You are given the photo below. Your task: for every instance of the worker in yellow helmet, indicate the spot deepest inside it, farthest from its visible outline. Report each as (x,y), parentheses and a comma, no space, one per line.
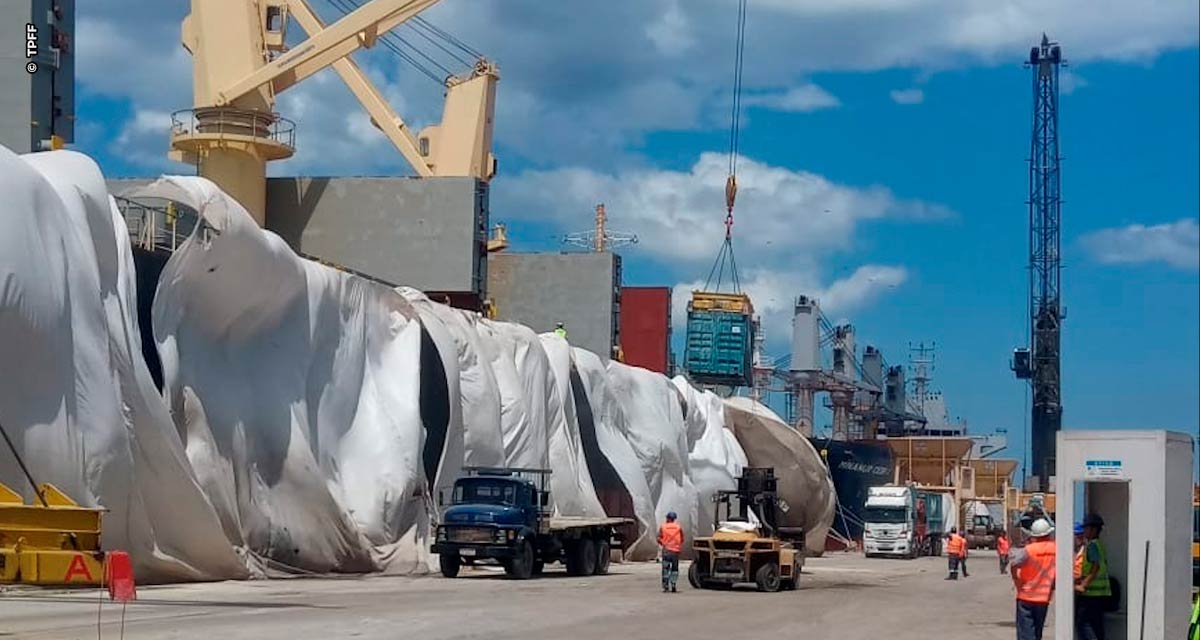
(560,331)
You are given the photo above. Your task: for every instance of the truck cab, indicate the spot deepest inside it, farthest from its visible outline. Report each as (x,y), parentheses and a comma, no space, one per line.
(492,515)
(503,516)
(890,522)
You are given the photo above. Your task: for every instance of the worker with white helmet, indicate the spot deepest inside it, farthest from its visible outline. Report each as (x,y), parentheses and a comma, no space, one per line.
(1033,575)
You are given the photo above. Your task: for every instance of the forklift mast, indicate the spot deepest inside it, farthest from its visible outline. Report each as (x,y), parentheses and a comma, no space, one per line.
(756,488)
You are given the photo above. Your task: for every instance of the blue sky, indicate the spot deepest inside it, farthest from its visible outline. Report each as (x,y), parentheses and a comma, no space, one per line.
(884,171)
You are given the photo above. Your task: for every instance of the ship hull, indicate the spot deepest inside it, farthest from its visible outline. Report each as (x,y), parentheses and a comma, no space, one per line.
(855,467)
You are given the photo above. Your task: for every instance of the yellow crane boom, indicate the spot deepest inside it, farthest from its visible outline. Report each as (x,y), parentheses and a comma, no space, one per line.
(241,63)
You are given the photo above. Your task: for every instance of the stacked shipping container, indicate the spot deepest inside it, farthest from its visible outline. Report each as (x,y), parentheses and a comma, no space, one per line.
(646,327)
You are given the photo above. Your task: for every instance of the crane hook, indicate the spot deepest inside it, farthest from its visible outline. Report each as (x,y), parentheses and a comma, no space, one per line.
(730,192)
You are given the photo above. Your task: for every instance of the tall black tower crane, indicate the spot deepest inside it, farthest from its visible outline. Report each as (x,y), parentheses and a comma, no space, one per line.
(1040,364)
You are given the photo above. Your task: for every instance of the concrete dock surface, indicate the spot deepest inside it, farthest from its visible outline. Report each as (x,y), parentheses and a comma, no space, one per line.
(842,596)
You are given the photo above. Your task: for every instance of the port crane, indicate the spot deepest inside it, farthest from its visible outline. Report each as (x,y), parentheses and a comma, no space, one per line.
(1040,364)
(242,62)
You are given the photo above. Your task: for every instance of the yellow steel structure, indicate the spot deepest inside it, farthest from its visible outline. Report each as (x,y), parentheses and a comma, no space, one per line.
(735,302)
(55,542)
(499,238)
(241,63)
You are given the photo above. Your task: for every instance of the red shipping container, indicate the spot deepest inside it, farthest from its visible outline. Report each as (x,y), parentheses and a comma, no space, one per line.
(646,327)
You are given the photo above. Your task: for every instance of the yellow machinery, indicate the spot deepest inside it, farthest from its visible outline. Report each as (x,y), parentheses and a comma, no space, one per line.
(749,547)
(53,541)
(241,62)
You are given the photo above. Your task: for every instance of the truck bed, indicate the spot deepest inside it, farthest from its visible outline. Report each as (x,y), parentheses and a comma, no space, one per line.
(562,523)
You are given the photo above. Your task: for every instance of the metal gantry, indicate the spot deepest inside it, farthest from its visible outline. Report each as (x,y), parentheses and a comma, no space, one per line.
(1040,364)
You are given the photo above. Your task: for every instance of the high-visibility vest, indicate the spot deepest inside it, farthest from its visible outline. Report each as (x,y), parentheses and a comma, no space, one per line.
(1035,577)
(670,536)
(1077,573)
(1195,625)
(956,547)
(1099,585)
(560,332)
(1002,546)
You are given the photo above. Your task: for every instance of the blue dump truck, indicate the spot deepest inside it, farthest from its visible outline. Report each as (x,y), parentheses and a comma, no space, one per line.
(503,516)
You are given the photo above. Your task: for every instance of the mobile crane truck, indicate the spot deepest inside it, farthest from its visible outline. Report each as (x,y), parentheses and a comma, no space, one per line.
(502,515)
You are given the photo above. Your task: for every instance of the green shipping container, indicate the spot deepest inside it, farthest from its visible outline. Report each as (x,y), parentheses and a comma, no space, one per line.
(719,348)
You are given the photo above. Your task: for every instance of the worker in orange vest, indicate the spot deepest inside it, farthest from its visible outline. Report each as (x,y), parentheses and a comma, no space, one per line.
(1033,575)
(670,538)
(1002,548)
(956,551)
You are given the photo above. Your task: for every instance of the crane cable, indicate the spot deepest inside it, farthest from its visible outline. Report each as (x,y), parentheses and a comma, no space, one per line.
(726,252)
(24,469)
(393,42)
(735,118)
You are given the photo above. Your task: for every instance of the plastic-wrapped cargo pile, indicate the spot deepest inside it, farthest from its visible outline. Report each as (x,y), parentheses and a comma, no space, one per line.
(310,417)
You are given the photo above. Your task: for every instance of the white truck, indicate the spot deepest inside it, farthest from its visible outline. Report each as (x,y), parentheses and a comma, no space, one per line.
(902,521)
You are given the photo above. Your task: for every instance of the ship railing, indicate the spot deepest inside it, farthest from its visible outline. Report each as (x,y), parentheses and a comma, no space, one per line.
(158,225)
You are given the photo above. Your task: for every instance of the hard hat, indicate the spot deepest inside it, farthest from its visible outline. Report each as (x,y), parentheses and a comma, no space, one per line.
(1093,520)
(559,325)
(1041,528)
(671,515)
(1078,528)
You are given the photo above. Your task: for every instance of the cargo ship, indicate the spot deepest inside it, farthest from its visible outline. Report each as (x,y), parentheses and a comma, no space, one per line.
(856,465)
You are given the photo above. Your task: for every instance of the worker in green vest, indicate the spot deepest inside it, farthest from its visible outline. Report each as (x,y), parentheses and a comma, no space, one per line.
(560,331)
(1093,590)
(1194,633)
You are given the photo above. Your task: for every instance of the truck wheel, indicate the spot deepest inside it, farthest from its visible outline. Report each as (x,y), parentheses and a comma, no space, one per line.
(449,564)
(521,566)
(603,557)
(694,576)
(587,557)
(767,577)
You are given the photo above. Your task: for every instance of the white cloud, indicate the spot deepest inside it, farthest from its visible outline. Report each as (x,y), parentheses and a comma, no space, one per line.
(144,140)
(1069,82)
(804,98)
(584,82)
(671,33)
(773,293)
(908,96)
(1176,244)
(679,215)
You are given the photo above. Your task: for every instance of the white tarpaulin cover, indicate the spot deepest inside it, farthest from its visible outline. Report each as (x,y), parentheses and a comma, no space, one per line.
(804,482)
(309,416)
(627,495)
(77,398)
(297,389)
(473,383)
(716,460)
(651,417)
(571,483)
(526,388)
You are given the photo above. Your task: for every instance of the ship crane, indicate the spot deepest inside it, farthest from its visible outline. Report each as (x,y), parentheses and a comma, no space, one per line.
(241,63)
(600,238)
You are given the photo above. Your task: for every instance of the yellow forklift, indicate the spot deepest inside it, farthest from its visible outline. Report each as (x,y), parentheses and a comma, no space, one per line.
(749,547)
